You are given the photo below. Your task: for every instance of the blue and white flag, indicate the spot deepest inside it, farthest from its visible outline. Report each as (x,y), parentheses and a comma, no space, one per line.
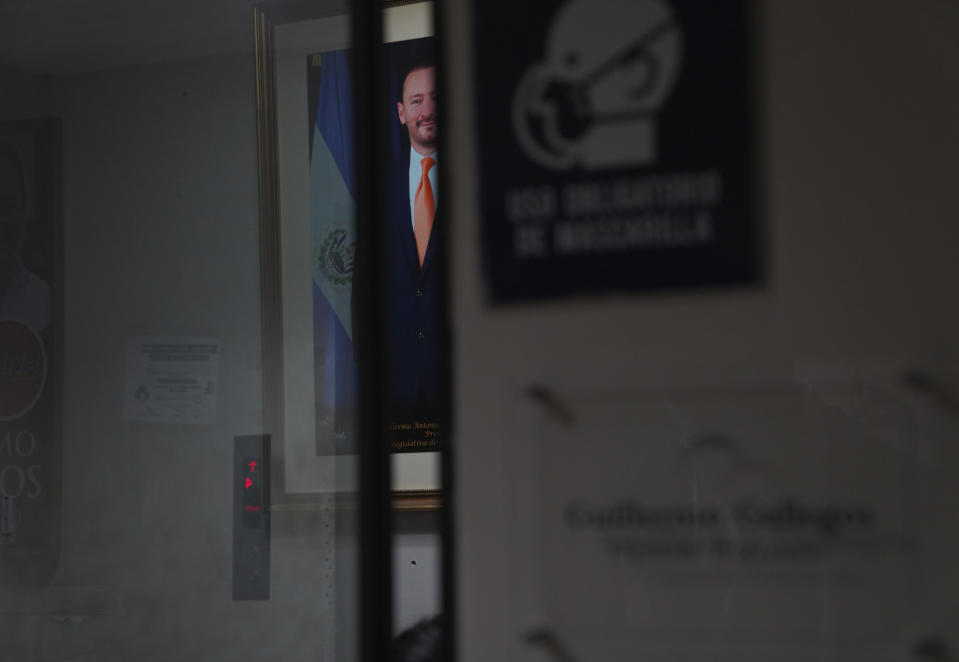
(333,238)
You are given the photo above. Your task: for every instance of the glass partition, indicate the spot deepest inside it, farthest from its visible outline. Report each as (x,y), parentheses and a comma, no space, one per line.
(180,428)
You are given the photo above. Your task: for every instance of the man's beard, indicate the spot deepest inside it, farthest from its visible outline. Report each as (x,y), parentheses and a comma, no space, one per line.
(431,122)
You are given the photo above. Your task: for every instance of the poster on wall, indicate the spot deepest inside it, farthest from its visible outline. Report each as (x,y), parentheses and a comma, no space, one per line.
(30,440)
(412,324)
(310,264)
(615,146)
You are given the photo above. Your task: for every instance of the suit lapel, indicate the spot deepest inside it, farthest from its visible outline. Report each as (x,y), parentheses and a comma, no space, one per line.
(430,248)
(409,244)
(403,229)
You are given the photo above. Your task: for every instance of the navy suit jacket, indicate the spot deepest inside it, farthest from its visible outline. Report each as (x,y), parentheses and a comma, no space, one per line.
(413,323)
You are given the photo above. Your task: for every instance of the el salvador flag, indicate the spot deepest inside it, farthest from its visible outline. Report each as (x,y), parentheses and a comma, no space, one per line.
(333,237)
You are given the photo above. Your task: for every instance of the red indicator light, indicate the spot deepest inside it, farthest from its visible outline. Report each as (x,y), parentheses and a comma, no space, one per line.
(248,483)
(252,467)
(252,509)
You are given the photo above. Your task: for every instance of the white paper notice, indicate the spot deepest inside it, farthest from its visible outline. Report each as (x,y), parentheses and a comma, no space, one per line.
(171,379)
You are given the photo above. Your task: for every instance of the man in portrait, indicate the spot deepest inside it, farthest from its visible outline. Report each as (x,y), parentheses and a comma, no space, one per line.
(24,296)
(412,271)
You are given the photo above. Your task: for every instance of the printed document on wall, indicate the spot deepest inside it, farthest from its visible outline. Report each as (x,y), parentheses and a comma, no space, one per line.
(171,379)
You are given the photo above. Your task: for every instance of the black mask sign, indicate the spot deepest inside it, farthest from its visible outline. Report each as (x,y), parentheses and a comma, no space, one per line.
(616,145)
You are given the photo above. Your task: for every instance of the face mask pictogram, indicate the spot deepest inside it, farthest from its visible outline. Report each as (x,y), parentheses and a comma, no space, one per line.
(591,102)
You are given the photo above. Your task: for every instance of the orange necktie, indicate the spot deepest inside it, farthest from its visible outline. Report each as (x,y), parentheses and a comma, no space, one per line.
(423,210)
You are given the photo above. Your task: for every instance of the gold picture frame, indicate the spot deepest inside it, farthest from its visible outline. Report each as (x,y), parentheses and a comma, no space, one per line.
(286,33)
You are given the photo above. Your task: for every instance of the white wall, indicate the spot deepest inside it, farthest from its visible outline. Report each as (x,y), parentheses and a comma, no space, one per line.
(857,110)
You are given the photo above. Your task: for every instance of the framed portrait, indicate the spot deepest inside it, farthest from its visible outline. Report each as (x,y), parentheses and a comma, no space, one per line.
(30,349)
(305,129)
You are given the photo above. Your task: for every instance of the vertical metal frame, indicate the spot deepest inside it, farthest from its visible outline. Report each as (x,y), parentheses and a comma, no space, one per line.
(447,482)
(375,563)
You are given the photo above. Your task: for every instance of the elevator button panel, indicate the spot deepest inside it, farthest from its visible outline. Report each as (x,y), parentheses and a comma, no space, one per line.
(251,518)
